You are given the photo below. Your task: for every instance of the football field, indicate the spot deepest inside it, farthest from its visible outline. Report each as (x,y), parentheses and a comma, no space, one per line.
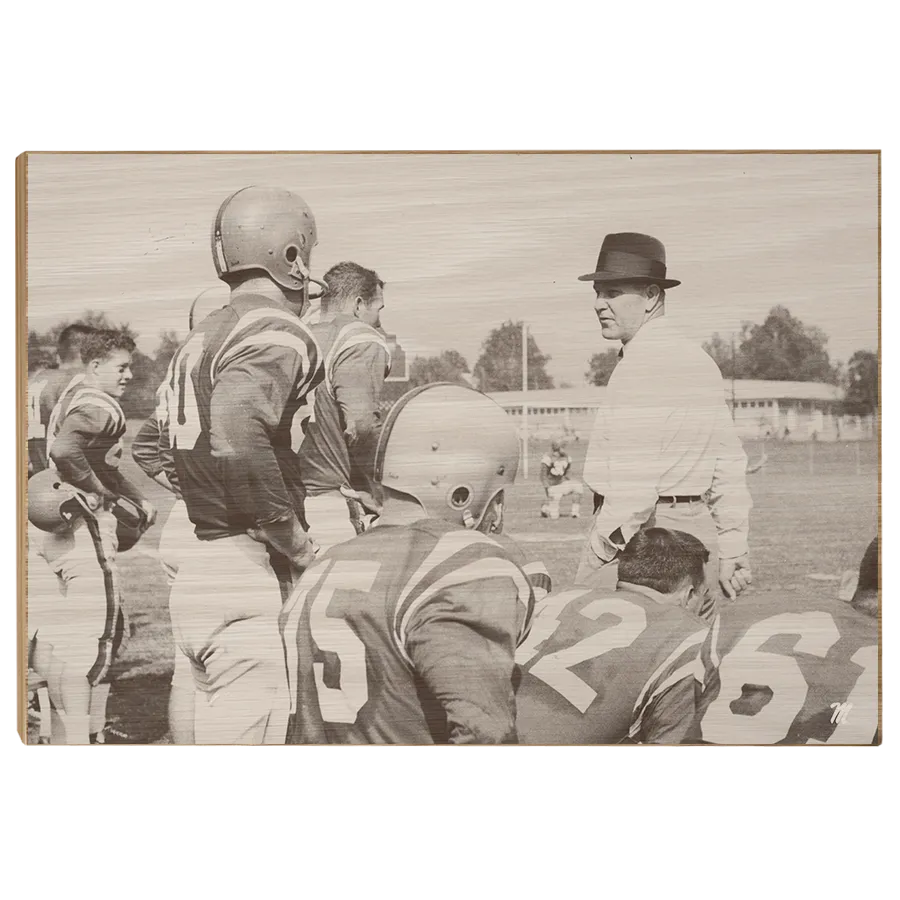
(815,510)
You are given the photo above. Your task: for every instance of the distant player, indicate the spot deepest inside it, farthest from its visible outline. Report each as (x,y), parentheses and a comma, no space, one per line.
(555,477)
(45,388)
(235,387)
(602,666)
(338,448)
(84,444)
(808,676)
(406,634)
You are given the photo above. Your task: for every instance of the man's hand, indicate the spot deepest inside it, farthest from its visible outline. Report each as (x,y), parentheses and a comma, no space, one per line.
(364,498)
(149,511)
(289,539)
(735,575)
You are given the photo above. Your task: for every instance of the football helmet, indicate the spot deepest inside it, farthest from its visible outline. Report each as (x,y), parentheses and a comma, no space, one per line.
(265,229)
(449,447)
(52,504)
(205,302)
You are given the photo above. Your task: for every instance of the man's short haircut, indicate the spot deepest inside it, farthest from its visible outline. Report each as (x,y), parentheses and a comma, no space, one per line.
(102,344)
(70,341)
(346,281)
(661,559)
(865,597)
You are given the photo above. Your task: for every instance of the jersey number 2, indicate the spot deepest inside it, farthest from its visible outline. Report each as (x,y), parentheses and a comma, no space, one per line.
(343,701)
(554,668)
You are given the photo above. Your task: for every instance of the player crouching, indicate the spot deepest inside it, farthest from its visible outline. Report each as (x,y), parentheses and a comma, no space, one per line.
(406,633)
(555,467)
(78,503)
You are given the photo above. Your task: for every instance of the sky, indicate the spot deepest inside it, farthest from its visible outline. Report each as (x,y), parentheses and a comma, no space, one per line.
(465,242)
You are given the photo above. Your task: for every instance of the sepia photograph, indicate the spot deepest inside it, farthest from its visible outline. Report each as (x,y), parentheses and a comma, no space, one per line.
(576,448)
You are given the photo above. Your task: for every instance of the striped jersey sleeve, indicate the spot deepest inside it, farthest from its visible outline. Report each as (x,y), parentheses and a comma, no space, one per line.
(664,711)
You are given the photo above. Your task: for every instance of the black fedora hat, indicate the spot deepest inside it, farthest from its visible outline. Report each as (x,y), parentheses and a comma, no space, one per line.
(631,257)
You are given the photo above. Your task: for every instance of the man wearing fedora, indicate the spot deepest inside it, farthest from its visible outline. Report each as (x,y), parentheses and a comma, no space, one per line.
(663,451)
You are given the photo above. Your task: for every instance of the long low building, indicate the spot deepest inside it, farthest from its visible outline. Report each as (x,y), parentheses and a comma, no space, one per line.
(793,410)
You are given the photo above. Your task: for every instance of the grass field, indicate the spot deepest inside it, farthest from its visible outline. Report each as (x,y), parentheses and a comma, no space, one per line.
(815,510)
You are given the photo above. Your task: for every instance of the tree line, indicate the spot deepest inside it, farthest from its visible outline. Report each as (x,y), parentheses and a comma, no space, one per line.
(782,348)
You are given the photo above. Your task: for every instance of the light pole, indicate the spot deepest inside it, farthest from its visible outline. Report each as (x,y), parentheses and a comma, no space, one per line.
(525,399)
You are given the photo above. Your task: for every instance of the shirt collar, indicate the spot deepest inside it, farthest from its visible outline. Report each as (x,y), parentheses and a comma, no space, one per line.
(654,330)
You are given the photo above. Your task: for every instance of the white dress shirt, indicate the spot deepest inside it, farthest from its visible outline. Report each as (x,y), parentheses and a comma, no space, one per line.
(665,430)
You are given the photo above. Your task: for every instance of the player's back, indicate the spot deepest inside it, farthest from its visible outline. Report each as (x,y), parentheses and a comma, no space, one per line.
(354,631)
(600,666)
(44,391)
(274,354)
(803,675)
(357,359)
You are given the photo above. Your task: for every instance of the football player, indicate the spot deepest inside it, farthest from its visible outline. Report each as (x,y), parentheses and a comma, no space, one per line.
(152,452)
(808,676)
(84,445)
(555,467)
(235,386)
(45,388)
(406,633)
(338,448)
(603,667)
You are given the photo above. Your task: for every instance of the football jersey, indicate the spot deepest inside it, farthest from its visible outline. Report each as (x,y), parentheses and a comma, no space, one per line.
(233,390)
(357,360)
(406,635)
(600,666)
(44,390)
(555,469)
(84,435)
(804,675)
(151,448)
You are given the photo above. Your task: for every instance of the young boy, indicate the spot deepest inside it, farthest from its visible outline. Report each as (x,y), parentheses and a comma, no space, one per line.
(73,625)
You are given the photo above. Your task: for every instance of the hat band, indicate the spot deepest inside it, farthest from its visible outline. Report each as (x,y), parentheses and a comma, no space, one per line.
(629,265)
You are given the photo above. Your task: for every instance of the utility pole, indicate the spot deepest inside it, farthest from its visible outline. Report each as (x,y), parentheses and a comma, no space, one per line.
(525,399)
(733,403)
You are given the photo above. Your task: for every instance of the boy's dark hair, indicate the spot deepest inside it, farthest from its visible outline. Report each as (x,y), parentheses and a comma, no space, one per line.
(70,341)
(346,281)
(103,343)
(660,558)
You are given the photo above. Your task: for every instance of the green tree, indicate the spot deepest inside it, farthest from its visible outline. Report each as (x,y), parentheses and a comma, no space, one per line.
(861,398)
(782,348)
(447,366)
(601,367)
(499,368)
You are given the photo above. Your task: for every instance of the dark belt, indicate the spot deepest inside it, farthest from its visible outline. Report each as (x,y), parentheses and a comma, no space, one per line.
(679,498)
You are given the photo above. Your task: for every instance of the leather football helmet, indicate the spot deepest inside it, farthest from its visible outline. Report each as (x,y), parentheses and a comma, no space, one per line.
(265,229)
(449,447)
(52,504)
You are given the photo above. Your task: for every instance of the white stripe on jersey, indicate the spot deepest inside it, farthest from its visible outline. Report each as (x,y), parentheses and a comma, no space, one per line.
(537,568)
(492,567)
(686,671)
(714,642)
(88,396)
(696,638)
(290,618)
(278,339)
(251,318)
(344,340)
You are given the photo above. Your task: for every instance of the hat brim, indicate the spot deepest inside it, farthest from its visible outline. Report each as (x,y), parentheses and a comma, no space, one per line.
(609,278)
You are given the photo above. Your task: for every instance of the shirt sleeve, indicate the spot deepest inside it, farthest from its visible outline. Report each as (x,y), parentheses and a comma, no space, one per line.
(78,433)
(634,433)
(462,643)
(248,400)
(358,378)
(729,499)
(145,448)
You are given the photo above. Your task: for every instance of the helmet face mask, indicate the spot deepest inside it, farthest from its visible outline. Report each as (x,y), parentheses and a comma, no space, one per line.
(267,230)
(453,451)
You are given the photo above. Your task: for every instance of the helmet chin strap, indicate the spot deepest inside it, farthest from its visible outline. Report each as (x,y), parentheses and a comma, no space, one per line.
(301,272)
